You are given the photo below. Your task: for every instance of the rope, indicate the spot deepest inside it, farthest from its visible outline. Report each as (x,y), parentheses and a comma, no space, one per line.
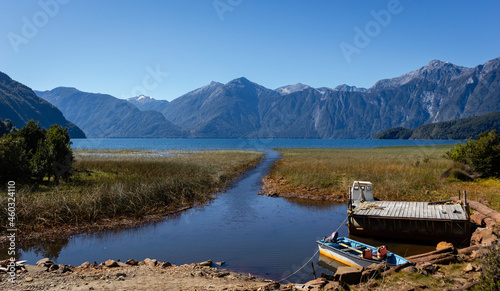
(300,267)
(310,258)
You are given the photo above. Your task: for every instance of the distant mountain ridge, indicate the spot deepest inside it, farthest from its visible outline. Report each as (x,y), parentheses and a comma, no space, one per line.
(145,103)
(438,91)
(470,127)
(20,104)
(101,115)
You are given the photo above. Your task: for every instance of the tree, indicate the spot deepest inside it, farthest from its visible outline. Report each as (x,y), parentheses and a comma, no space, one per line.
(482,155)
(32,134)
(14,162)
(60,153)
(6,127)
(36,152)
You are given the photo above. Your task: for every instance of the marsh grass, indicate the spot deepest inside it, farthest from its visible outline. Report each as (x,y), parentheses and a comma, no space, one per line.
(130,186)
(398,173)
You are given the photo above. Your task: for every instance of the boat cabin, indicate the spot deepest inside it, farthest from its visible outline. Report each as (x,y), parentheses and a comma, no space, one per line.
(361,191)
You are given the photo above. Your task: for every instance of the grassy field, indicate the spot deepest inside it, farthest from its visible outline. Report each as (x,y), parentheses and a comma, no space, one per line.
(397,173)
(129,184)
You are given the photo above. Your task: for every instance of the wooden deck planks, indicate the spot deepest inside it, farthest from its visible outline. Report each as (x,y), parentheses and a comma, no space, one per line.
(416,210)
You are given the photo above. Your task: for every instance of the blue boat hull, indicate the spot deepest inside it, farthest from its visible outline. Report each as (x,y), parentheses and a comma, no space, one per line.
(348,252)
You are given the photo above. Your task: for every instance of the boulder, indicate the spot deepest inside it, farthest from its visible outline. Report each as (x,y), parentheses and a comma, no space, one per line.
(443,245)
(208,263)
(132,262)
(111,264)
(469,268)
(349,275)
(46,262)
(85,265)
(484,236)
(62,268)
(165,264)
(150,262)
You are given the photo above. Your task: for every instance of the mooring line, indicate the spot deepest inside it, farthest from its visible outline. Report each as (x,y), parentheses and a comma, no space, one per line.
(311,257)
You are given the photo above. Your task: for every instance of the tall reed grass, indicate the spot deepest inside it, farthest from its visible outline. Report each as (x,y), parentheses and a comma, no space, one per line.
(398,173)
(130,186)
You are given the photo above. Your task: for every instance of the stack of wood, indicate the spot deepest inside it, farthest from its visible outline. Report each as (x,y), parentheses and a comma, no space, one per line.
(483,216)
(443,256)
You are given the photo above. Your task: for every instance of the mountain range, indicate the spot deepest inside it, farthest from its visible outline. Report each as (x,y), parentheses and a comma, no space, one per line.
(20,104)
(439,91)
(101,115)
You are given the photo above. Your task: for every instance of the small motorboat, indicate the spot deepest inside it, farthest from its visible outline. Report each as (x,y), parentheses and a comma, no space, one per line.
(353,253)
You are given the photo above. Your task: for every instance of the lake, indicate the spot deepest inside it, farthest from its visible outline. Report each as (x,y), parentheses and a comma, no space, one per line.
(243,144)
(264,236)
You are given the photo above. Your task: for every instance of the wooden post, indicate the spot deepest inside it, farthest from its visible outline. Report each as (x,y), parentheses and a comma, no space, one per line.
(314,272)
(465,203)
(458,194)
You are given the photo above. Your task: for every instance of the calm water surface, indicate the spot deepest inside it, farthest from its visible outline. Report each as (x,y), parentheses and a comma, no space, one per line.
(270,237)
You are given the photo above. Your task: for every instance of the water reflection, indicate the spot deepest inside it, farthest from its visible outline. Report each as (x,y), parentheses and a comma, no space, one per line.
(269,237)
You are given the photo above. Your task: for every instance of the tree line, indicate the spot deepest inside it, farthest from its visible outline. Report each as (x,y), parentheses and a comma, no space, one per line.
(33,154)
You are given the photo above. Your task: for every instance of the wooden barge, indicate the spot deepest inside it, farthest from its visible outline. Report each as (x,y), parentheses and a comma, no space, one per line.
(417,221)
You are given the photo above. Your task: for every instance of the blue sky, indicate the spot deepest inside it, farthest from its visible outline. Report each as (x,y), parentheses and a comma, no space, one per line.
(167,48)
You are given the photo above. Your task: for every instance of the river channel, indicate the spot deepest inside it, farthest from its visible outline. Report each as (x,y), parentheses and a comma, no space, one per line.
(264,236)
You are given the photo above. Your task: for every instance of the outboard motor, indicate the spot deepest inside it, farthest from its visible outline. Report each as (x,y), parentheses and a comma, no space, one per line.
(333,237)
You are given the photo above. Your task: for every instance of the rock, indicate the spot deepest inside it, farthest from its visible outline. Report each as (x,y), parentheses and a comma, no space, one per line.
(208,263)
(460,281)
(121,264)
(150,262)
(35,269)
(427,268)
(443,245)
(222,274)
(469,268)
(165,264)
(410,269)
(328,277)
(480,253)
(332,286)
(349,275)
(121,275)
(220,263)
(45,263)
(29,279)
(132,262)
(62,268)
(121,278)
(85,265)
(53,268)
(484,236)
(320,282)
(110,264)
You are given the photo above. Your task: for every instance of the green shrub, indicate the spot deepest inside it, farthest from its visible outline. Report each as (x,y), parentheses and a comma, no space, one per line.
(490,277)
(35,152)
(482,155)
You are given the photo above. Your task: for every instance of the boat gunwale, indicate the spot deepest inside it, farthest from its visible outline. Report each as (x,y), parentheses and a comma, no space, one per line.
(357,257)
